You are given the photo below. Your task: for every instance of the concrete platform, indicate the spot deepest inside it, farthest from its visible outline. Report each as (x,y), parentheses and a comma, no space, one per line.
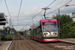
(5,45)
(68,40)
(2,42)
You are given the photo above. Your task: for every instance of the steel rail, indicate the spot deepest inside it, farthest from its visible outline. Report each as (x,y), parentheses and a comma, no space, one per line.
(38,45)
(28,45)
(16,44)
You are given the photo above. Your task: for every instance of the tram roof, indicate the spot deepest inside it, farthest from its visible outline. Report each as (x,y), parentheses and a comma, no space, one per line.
(43,20)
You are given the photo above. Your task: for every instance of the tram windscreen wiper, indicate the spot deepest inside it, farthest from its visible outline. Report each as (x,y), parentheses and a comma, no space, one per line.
(47,30)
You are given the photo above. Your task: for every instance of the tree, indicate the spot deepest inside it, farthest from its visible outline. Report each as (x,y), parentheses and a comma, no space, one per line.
(66,25)
(5,29)
(0,29)
(63,18)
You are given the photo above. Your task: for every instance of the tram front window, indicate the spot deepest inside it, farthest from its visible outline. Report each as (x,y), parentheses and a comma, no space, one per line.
(50,26)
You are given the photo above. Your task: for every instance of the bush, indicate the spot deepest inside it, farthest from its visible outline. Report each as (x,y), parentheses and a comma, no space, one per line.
(2,36)
(8,37)
(67,26)
(68,30)
(72,33)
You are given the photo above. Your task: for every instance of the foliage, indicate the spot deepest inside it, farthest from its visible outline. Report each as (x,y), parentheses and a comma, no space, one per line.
(2,36)
(0,29)
(10,37)
(14,30)
(5,29)
(63,19)
(71,34)
(67,26)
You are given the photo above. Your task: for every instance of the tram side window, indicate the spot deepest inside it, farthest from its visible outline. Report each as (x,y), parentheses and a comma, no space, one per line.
(32,32)
(38,31)
(35,32)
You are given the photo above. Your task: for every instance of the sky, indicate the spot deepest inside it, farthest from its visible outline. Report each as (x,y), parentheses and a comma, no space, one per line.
(30,8)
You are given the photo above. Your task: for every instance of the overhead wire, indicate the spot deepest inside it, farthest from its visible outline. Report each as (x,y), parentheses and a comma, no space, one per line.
(46,7)
(60,7)
(27,24)
(33,16)
(19,8)
(9,11)
(37,13)
(7,8)
(19,11)
(42,10)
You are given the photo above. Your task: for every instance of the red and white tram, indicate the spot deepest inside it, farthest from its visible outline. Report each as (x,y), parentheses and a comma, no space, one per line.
(45,31)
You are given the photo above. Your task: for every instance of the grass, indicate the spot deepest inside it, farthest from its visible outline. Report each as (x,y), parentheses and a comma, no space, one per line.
(27,38)
(9,37)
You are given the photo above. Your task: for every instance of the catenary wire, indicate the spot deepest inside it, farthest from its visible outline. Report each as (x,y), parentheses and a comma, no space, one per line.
(7,8)
(19,8)
(42,10)
(60,7)
(19,11)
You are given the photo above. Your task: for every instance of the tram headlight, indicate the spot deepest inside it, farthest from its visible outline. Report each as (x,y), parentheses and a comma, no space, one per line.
(55,34)
(45,33)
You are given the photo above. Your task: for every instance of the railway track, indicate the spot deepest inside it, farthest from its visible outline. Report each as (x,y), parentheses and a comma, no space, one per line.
(55,45)
(20,43)
(45,46)
(64,46)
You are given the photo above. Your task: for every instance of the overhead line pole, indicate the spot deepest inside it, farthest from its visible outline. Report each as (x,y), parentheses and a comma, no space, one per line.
(59,21)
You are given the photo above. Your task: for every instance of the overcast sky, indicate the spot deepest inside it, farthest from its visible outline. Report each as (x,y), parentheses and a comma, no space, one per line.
(30,8)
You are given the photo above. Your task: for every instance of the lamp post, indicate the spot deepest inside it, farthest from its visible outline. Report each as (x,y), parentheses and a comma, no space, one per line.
(10,26)
(70,5)
(59,20)
(45,11)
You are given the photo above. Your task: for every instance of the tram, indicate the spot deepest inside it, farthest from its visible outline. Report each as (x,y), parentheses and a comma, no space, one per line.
(46,30)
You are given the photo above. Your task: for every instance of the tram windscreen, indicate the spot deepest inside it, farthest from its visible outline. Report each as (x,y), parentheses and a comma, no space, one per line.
(49,26)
